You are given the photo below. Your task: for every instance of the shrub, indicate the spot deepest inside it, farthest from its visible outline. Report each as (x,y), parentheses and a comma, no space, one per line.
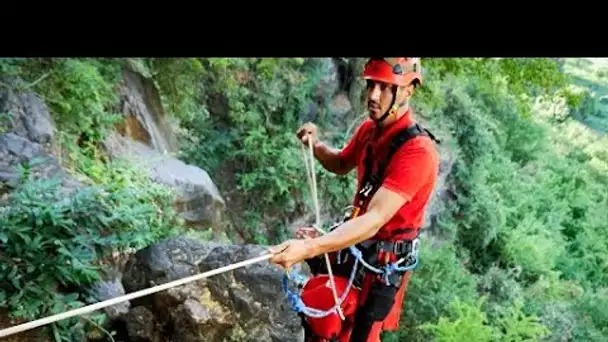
(467,323)
(52,243)
(440,279)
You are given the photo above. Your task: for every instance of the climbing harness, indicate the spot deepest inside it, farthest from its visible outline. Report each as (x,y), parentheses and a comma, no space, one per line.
(407,252)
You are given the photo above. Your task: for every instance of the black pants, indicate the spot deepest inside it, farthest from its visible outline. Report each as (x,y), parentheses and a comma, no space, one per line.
(376,308)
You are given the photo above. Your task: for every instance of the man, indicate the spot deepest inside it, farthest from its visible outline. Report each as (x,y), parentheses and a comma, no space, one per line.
(395,210)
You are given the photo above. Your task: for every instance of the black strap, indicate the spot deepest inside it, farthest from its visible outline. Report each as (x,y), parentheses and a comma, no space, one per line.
(399,247)
(371,181)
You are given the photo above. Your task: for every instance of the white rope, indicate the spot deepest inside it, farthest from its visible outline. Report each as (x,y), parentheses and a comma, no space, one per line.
(313,189)
(142,293)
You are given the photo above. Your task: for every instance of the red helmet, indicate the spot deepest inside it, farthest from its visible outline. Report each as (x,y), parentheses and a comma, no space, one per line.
(317,293)
(399,71)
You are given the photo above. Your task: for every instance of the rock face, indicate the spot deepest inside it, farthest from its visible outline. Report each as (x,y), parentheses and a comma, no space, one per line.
(27,116)
(23,137)
(145,118)
(108,289)
(241,305)
(147,141)
(329,83)
(25,128)
(340,105)
(443,191)
(199,201)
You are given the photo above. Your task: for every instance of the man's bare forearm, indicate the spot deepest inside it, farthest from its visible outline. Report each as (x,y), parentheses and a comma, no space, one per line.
(330,158)
(350,233)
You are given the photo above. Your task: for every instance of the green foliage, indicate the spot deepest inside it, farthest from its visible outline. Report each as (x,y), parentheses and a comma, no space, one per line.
(440,279)
(527,210)
(523,77)
(592,308)
(468,322)
(180,82)
(501,289)
(52,241)
(515,326)
(80,92)
(519,255)
(249,111)
(83,98)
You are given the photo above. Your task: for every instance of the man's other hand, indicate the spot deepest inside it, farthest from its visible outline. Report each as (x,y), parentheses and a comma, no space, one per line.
(308,130)
(291,252)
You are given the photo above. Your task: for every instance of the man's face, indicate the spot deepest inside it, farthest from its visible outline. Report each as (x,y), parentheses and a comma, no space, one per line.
(379,98)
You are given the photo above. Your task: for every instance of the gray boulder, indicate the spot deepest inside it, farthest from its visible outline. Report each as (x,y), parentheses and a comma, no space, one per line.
(199,201)
(26,115)
(15,151)
(241,305)
(108,289)
(147,141)
(26,129)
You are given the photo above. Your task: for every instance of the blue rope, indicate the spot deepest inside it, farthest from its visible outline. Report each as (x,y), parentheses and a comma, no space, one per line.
(298,305)
(394,267)
(359,256)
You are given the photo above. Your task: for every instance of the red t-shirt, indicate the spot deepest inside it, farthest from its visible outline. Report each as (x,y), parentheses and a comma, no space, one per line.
(412,171)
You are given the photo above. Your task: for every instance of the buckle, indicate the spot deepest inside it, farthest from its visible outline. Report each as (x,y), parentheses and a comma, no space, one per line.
(379,246)
(399,247)
(415,246)
(366,190)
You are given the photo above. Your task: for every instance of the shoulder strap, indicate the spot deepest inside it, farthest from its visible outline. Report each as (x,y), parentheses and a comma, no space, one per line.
(371,181)
(398,140)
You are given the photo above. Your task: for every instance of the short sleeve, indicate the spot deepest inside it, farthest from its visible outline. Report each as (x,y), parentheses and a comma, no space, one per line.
(348,154)
(411,168)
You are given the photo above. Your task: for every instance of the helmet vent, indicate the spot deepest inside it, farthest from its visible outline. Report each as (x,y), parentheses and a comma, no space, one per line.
(397,69)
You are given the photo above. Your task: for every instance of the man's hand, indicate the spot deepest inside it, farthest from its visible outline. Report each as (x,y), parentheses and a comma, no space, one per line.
(327,156)
(308,130)
(291,252)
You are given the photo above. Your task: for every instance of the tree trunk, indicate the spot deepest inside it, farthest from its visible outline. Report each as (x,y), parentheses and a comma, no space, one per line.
(356,87)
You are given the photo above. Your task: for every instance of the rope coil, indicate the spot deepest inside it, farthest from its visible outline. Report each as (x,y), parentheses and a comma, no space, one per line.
(312,182)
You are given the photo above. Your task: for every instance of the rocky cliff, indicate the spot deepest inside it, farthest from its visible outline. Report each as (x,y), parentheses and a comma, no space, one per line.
(148,142)
(25,140)
(238,306)
(244,305)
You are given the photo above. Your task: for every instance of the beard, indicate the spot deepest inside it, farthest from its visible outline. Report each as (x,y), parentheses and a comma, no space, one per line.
(374,110)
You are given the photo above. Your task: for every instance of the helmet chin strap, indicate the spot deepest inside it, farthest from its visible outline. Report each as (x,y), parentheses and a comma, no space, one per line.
(392,109)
